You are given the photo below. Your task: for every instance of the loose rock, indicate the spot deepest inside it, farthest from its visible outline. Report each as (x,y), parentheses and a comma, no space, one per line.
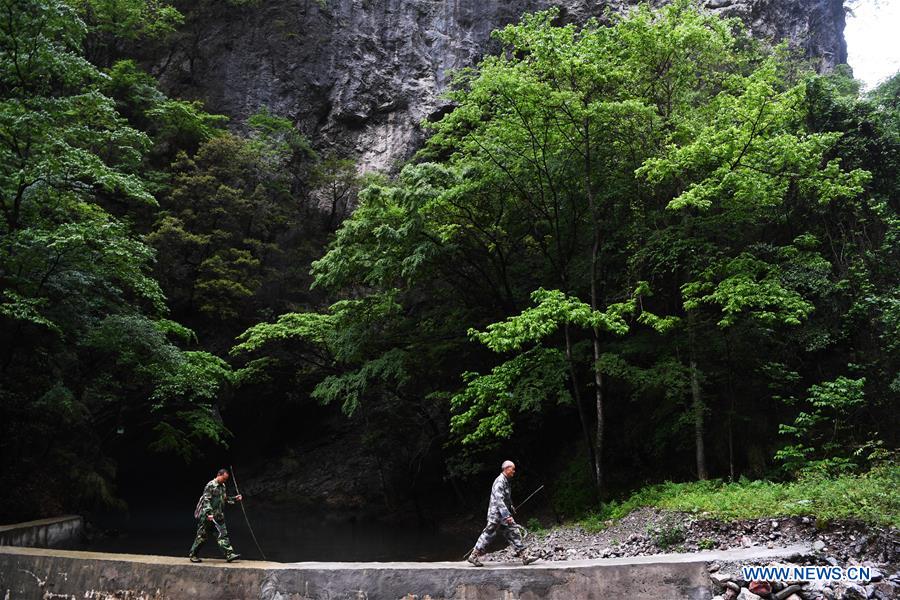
(720,579)
(760,588)
(787,592)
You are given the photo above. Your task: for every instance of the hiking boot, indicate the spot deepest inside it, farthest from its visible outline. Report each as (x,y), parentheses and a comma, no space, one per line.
(528,558)
(232,557)
(195,559)
(473,559)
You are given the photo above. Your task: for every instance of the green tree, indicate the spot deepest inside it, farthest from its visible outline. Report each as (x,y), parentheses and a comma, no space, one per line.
(562,119)
(173,125)
(656,219)
(112,24)
(233,215)
(75,280)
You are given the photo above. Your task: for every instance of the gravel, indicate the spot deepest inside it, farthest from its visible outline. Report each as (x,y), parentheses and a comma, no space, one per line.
(651,531)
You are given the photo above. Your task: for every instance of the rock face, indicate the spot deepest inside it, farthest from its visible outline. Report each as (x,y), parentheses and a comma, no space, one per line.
(358,76)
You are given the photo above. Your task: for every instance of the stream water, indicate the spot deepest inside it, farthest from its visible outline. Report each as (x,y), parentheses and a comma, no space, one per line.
(285,536)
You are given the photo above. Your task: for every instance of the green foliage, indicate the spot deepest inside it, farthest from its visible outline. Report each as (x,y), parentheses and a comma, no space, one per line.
(181,387)
(326,339)
(278,135)
(304,327)
(176,330)
(688,199)
(749,154)
(184,124)
(824,437)
(667,376)
(488,403)
(86,364)
(653,211)
(706,544)
(350,387)
(128,18)
(63,148)
(112,25)
(669,532)
(25,310)
(384,242)
(871,497)
(173,125)
(339,182)
(747,286)
(573,492)
(535,528)
(217,231)
(196,378)
(552,309)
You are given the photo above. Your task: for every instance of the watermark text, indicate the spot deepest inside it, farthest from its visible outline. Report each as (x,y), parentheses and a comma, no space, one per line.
(806,573)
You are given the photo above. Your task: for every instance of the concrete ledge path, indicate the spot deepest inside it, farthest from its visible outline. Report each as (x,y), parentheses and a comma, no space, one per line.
(34,573)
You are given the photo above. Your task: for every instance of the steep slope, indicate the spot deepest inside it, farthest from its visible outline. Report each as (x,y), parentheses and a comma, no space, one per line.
(358,76)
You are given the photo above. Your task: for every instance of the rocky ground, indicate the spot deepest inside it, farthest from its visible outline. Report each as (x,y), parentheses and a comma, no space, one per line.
(652,531)
(729,582)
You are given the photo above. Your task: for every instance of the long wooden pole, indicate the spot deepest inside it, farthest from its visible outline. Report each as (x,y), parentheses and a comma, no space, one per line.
(247,519)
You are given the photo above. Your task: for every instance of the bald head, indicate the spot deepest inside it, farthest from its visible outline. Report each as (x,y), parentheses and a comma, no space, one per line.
(508,467)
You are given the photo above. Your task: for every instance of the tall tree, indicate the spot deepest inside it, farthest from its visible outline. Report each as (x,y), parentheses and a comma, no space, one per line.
(89,363)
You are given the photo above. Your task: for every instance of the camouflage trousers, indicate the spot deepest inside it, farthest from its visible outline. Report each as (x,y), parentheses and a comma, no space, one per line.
(513,535)
(218,529)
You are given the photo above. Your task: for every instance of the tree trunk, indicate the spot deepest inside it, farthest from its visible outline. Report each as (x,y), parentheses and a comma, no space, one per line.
(598,376)
(595,333)
(730,408)
(697,401)
(576,391)
(598,384)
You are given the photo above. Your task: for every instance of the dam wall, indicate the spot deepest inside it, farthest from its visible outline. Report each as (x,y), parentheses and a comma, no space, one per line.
(33,573)
(58,532)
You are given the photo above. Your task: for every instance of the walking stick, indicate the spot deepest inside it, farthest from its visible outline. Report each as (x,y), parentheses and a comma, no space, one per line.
(530,496)
(247,519)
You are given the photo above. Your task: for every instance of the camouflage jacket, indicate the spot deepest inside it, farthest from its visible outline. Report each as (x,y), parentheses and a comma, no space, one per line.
(212,502)
(500,507)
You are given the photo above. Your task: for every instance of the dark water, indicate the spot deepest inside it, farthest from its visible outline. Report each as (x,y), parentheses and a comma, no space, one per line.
(285,536)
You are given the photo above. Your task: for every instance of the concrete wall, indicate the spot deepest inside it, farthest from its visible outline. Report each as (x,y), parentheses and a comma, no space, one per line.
(58,532)
(29,573)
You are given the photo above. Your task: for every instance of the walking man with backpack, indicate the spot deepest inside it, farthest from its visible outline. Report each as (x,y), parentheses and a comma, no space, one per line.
(210,515)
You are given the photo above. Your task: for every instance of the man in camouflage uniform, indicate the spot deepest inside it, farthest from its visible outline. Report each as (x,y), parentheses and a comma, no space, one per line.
(500,520)
(210,515)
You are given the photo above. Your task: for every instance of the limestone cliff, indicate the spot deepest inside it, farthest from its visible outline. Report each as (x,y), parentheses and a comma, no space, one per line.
(358,76)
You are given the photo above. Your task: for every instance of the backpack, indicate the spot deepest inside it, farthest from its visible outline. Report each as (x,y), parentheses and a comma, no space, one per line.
(199,505)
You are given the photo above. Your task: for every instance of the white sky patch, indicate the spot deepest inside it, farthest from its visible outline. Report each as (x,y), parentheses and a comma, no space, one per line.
(873,39)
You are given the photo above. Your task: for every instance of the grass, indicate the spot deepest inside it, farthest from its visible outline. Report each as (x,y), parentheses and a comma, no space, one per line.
(668,534)
(872,497)
(535,528)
